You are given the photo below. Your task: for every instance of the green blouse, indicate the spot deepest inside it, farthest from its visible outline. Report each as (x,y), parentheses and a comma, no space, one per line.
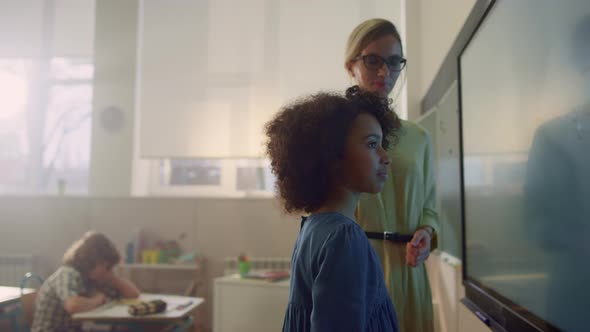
(406,204)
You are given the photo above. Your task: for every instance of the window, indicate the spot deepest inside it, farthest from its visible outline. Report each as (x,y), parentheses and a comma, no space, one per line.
(211,177)
(45,125)
(14,141)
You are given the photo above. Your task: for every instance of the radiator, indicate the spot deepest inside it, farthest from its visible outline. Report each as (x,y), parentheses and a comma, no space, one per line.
(258,263)
(13,268)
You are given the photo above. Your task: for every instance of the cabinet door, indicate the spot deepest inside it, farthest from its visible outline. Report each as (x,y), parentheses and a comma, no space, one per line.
(249,307)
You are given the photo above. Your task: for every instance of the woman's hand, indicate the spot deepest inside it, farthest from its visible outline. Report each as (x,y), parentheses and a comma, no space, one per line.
(418,250)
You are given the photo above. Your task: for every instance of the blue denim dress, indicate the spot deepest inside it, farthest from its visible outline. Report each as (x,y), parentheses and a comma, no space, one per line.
(336,280)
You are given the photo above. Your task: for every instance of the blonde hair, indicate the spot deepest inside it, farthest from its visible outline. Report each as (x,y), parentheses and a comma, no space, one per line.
(366,33)
(90,250)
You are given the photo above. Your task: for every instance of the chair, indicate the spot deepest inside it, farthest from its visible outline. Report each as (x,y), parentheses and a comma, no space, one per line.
(28,301)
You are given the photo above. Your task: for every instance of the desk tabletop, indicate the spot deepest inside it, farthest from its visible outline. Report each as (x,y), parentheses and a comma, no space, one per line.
(11,294)
(235,279)
(117,310)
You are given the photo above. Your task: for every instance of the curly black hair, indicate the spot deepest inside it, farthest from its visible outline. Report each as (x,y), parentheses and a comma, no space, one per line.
(306,139)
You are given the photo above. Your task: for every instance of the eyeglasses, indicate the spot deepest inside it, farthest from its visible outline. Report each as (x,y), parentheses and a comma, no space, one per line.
(375,62)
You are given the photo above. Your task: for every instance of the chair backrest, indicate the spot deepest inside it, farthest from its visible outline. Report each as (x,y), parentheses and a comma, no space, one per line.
(28,306)
(28,298)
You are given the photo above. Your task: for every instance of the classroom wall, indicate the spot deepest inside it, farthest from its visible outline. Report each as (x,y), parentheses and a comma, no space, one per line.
(432,26)
(115,48)
(217,228)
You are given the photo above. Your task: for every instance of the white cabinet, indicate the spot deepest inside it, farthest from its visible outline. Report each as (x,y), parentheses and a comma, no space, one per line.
(249,305)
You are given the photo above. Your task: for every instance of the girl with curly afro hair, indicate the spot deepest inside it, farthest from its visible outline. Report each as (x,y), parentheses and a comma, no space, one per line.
(325,150)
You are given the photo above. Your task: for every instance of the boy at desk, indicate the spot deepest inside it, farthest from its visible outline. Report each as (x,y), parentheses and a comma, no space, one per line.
(84,282)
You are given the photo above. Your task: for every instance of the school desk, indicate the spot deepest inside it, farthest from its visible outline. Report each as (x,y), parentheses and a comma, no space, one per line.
(178,313)
(10,304)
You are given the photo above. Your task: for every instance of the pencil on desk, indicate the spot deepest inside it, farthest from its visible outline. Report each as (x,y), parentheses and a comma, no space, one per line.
(183,306)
